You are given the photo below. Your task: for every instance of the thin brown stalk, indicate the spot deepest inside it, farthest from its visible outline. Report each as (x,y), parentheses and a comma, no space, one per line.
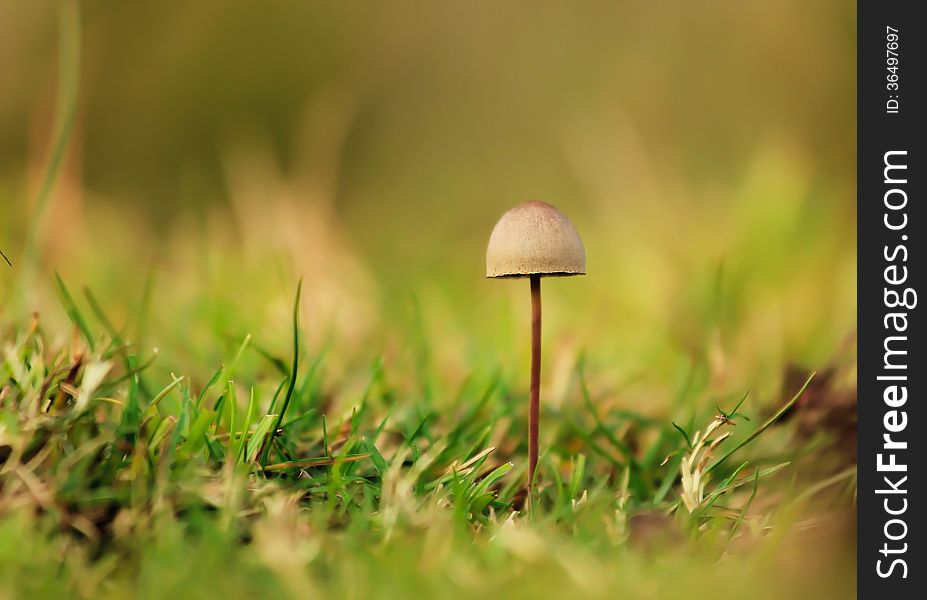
(534,408)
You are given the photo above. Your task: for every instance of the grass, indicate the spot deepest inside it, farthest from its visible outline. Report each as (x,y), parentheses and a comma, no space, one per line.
(115,483)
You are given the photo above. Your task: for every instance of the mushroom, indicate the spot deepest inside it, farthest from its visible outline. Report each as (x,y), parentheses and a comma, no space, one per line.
(534,240)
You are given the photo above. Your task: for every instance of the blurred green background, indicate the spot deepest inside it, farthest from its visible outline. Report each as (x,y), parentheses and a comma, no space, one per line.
(705,151)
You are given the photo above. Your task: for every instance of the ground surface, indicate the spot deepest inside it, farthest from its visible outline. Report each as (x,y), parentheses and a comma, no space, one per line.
(121,478)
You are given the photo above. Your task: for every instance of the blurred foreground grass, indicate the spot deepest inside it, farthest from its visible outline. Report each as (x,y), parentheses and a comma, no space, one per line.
(147,321)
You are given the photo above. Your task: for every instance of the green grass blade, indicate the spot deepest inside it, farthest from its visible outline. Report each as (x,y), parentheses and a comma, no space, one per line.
(69,26)
(73,312)
(293,369)
(259,437)
(759,430)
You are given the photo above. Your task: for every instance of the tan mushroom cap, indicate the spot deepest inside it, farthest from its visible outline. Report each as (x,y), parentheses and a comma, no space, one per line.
(534,238)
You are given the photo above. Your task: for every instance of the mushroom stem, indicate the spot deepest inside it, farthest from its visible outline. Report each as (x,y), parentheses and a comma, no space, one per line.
(534,408)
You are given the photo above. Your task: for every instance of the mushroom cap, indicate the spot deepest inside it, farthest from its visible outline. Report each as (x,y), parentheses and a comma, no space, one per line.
(534,238)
